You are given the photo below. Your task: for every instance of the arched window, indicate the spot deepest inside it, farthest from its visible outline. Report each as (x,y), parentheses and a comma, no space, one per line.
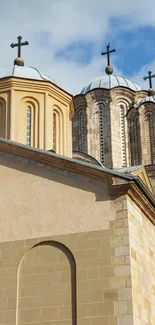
(2,119)
(135,143)
(122,133)
(101,128)
(54,131)
(150,119)
(28,126)
(81,130)
(57,131)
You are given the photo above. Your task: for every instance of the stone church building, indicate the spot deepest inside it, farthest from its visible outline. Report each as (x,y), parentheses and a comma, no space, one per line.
(77,202)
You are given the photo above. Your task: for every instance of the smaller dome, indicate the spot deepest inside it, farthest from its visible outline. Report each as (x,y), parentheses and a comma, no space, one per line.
(24,72)
(111,81)
(145,100)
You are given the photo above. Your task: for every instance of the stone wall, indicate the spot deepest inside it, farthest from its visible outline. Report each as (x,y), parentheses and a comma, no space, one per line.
(80,278)
(142,254)
(77,270)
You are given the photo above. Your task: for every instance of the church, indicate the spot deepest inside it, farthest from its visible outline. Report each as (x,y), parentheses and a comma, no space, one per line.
(77,198)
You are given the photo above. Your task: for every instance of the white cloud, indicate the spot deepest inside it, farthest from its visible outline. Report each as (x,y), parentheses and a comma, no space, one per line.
(65,21)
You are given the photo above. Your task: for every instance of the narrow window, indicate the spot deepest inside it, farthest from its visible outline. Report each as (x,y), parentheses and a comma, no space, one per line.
(54,132)
(101,134)
(123,144)
(151,136)
(2,120)
(81,130)
(28,126)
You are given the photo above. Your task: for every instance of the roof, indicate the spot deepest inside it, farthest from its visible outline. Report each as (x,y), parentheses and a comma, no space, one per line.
(111,81)
(24,72)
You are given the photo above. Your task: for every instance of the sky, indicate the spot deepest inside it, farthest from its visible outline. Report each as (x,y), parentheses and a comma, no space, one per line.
(66,38)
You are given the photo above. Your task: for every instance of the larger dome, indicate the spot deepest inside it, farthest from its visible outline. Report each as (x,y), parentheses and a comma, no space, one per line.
(111,81)
(24,72)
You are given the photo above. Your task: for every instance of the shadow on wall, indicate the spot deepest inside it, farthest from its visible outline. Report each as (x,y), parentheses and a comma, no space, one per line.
(70,179)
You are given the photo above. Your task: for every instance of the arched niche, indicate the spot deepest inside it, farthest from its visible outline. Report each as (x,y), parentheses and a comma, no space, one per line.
(58,130)
(2,118)
(46,285)
(30,119)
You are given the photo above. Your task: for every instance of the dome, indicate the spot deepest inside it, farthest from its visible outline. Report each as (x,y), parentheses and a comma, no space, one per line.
(24,72)
(145,100)
(110,81)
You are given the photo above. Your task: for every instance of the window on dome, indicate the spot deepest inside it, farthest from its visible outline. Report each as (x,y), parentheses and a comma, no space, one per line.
(101,128)
(81,130)
(135,141)
(123,142)
(2,119)
(151,121)
(57,131)
(28,126)
(54,131)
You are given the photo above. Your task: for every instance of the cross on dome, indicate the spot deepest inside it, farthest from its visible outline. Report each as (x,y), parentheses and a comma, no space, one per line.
(19,61)
(109,68)
(151,91)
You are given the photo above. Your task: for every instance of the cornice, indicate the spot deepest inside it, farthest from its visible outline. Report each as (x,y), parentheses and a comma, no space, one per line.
(40,87)
(36,85)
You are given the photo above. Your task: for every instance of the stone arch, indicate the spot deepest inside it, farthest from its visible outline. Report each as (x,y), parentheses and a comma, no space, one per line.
(58,129)
(125,95)
(46,285)
(33,105)
(2,118)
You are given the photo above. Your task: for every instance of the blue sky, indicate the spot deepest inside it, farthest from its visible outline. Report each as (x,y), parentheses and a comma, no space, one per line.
(66,38)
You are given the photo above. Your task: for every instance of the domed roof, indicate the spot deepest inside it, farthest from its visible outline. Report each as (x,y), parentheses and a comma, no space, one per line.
(24,72)
(145,100)
(110,81)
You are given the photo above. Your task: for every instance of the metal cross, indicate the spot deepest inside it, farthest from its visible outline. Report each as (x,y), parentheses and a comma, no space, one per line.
(150,76)
(108,53)
(19,45)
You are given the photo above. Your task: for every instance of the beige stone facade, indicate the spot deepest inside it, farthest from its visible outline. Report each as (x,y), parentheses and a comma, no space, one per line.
(51,111)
